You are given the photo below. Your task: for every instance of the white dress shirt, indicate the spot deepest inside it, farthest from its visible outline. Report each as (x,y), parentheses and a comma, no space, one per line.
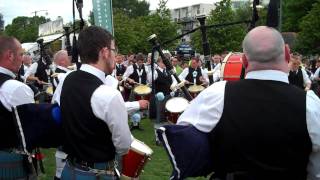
(13,92)
(185,73)
(316,74)
(60,75)
(174,82)
(107,104)
(130,69)
(206,109)
(131,106)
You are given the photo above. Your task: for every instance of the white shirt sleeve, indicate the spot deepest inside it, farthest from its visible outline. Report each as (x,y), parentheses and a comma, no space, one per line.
(149,76)
(14,93)
(31,70)
(108,105)
(128,72)
(184,74)
(313,125)
(306,79)
(132,106)
(205,75)
(206,109)
(317,73)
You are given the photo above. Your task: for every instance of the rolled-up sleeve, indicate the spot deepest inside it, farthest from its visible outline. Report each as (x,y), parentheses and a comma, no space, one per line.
(108,105)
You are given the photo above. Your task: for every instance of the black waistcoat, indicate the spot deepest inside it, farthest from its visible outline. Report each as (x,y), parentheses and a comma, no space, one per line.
(135,75)
(163,83)
(262,131)
(120,70)
(8,133)
(87,137)
(41,73)
(190,75)
(296,78)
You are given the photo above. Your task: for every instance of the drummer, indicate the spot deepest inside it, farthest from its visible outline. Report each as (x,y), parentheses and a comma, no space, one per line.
(215,67)
(13,93)
(137,72)
(62,62)
(194,75)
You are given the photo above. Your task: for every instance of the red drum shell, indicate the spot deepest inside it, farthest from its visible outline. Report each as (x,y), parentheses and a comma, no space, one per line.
(232,66)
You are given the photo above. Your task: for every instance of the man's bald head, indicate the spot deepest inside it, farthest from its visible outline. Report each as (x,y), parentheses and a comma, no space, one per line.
(264,45)
(61,58)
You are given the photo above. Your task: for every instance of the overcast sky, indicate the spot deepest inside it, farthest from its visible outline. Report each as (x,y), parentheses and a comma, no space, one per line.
(13,8)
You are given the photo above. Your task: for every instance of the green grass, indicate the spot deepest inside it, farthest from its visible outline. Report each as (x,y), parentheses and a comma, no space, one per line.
(159,168)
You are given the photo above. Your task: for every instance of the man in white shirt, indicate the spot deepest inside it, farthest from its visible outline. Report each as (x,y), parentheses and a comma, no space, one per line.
(260,127)
(297,75)
(215,67)
(194,74)
(12,93)
(94,115)
(62,62)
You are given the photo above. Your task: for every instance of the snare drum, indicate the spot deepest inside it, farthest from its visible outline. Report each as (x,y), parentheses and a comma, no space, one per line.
(136,159)
(175,106)
(195,90)
(142,92)
(232,67)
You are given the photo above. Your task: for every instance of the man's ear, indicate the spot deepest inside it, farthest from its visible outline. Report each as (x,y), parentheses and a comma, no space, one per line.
(244,60)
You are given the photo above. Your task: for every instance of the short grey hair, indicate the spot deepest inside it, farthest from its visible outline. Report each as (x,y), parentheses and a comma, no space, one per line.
(59,54)
(263,45)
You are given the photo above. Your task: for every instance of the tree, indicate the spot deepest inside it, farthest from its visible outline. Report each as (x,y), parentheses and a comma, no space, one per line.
(221,39)
(132,8)
(309,38)
(293,12)
(25,29)
(131,33)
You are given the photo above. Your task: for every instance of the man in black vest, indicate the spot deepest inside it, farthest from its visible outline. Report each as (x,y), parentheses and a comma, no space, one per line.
(12,93)
(260,127)
(62,62)
(194,74)
(120,67)
(137,72)
(94,115)
(297,75)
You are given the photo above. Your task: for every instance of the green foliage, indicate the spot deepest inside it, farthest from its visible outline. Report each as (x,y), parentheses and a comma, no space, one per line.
(309,36)
(25,29)
(131,33)
(132,8)
(221,39)
(293,12)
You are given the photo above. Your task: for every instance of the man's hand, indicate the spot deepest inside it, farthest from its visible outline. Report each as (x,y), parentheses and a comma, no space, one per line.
(144,104)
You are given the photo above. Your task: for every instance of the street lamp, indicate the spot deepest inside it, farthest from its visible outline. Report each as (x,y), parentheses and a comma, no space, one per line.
(35,12)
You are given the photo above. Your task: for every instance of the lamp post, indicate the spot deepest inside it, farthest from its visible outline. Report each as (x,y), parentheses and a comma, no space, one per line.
(35,12)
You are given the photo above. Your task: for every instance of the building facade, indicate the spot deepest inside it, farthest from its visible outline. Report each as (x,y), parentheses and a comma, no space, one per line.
(187,16)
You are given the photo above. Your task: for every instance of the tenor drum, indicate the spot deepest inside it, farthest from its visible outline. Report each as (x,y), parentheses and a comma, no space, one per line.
(142,92)
(232,67)
(136,159)
(195,90)
(175,107)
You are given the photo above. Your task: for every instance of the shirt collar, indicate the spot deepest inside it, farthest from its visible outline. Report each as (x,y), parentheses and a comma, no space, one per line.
(7,71)
(94,71)
(272,75)
(63,68)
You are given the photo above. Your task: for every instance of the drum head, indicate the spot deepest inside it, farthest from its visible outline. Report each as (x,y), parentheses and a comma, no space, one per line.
(196,88)
(177,104)
(142,90)
(49,90)
(141,148)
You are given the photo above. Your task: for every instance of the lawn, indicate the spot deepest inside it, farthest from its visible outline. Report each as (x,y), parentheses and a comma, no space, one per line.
(159,168)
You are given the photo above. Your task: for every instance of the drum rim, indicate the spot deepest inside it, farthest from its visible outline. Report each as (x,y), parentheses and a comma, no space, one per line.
(188,103)
(140,152)
(224,62)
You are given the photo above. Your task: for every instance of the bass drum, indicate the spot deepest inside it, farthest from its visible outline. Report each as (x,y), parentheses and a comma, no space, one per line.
(232,68)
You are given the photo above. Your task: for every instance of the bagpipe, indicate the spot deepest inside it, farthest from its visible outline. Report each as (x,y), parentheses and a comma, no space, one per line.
(189,149)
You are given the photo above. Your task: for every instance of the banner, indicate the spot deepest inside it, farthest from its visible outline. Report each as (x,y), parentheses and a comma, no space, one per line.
(51,27)
(102,10)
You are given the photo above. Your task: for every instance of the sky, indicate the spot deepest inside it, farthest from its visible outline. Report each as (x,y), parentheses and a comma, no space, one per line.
(54,8)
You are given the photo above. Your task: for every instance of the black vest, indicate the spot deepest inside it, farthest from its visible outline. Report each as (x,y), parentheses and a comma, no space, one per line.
(296,78)
(190,75)
(87,137)
(135,75)
(163,83)
(41,73)
(8,134)
(270,142)
(120,70)
(58,70)
(20,73)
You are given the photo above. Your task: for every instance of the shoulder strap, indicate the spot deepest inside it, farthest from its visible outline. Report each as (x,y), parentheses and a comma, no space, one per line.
(4,78)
